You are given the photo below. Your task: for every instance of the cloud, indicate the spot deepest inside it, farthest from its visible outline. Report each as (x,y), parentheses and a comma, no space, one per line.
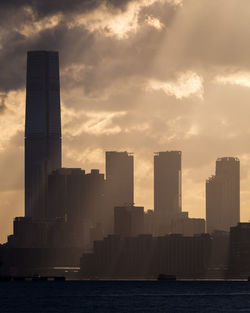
(187,84)
(47,8)
(121,24)
(239,78)
(3,97)
(85,33)
(96,123)
(154,22)
(12,117)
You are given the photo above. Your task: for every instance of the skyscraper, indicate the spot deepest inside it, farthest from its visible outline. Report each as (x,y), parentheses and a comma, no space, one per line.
(119,183)
(167,183)
(120,177)
(42,128)
(66,194)
(223,195)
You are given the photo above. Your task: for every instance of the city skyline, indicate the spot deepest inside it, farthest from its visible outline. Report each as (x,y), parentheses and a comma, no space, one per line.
(124,155)
(122,91)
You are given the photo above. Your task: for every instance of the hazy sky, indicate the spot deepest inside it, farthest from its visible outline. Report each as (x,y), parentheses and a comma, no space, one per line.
(136,75)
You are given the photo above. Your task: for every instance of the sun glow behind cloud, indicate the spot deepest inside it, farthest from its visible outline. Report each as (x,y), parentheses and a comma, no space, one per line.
(13,118)
(109,24)
(30,29)
(92,156)
(187,84)
(121,24)
(95,123)
(239,78)
(154,22)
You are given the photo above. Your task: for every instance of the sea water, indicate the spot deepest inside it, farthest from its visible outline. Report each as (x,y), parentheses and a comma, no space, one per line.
(125,296)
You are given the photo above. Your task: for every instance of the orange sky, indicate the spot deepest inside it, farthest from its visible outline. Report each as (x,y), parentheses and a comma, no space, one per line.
(136,75)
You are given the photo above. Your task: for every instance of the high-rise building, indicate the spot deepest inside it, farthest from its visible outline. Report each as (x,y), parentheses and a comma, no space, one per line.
(223,195)
(167,183)
(66,194)
(77,196)
(120,177)
(119,182)
(129,221)
(42,128)
(239,252)
(95,197)
(214,218)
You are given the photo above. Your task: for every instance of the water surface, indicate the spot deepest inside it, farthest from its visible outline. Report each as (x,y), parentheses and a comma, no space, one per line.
(125,296)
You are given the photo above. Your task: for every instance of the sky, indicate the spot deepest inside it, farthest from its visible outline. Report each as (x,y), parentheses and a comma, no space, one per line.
(136,75)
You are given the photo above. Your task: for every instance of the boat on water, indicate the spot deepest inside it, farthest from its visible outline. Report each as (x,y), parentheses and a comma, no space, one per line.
(166,277)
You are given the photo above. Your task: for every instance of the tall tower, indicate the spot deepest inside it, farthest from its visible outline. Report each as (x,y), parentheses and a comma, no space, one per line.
(42,128)
(167,183)
(223,195)
(120,177)
(119,183)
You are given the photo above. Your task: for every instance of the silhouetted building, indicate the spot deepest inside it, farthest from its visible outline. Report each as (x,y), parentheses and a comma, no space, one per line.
(120,177)
(30,233)
(24,262)
(178,224)
(76,210)
(213,205)
(65,190)
(223,195)
(218,267)
(187,226)
(149,223)
(42,128)
(95,196)
(145,256)
(76,196)
(129,221)
(239,251)
(119,182)
(167,183)
(51,233)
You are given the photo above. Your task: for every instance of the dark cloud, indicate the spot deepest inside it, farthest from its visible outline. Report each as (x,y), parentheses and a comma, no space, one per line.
(3,97)
(16,45)
(42,8)
(188,41)
(99,55)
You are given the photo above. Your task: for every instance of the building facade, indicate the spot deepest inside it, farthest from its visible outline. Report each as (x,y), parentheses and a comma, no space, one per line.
(145,256)
(167,183)
(223,195)
(120,177)
(129,221)
(239,251)
(119,183)
(42,128)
